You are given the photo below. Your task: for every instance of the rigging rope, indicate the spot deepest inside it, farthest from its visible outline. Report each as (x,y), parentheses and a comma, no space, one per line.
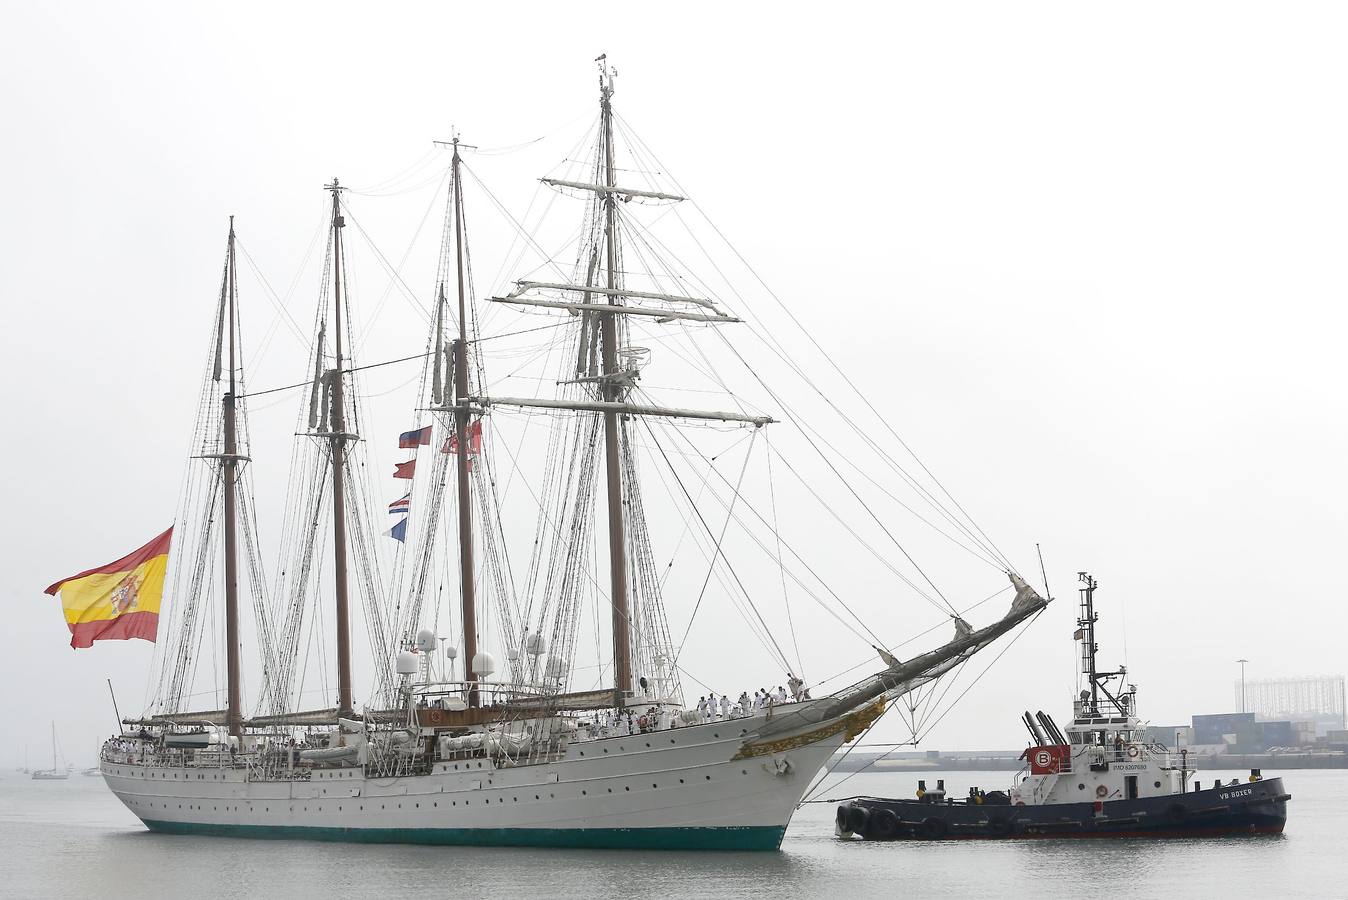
(781,569)
(716,548)
(780,655)
(638,143)
(918,738)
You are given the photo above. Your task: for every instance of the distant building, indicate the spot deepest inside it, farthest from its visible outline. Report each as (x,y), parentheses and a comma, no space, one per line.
(1224,729)
(1172,736)
(1318,699)
(1247,733)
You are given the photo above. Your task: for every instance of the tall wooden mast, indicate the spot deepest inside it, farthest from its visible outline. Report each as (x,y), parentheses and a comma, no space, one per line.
(611,388)
(338,437)
(230,462)
(462,459)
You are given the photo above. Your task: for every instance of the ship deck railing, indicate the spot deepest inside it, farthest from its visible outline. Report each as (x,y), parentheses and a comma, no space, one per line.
(151,756)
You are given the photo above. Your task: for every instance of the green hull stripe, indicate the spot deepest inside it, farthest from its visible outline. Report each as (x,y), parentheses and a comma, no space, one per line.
(749,837)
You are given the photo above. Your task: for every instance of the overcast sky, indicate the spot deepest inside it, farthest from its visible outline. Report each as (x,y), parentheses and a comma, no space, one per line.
(1088,260)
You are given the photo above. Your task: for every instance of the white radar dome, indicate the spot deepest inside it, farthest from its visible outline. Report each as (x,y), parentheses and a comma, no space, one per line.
(535,645)
(425,640)
(452,652)
(484,664)
(407,663)
(556,668)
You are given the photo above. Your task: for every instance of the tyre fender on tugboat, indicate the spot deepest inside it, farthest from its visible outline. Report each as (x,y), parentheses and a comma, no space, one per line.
(858,817)
(884,825)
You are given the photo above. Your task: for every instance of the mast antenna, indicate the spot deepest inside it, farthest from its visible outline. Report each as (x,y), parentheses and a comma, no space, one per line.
(607,74)
(455,142)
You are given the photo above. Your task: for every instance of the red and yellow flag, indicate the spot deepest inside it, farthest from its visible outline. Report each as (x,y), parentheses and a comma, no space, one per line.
(118,601)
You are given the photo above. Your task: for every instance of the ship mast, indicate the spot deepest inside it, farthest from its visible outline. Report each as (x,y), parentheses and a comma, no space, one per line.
(612,392)
(462,458)
(338,438)
(230,462)
(610,372)
(1086,625)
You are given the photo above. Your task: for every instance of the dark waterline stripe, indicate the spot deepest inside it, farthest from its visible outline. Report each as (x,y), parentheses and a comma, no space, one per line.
(749,837)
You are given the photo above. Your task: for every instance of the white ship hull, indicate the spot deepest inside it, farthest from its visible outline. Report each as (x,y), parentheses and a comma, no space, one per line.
(706,786)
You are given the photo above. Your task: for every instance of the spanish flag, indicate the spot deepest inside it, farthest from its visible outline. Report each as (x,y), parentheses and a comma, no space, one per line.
(118,601)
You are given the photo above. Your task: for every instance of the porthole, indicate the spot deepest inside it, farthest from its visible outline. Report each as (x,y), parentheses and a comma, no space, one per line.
(1158,784)
(627,788)
(1081,787)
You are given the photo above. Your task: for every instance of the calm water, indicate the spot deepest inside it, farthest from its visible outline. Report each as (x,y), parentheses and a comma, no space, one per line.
(73,839)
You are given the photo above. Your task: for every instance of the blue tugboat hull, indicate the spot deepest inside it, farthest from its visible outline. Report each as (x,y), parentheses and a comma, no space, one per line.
(1252,808)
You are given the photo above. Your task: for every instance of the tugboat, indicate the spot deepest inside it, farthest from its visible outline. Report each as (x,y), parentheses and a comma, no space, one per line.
(1100,777)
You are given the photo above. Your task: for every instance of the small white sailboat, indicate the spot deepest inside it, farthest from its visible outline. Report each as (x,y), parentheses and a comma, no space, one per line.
(55,773)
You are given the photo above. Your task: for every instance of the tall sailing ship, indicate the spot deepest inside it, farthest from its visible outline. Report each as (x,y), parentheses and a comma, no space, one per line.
(541,752)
